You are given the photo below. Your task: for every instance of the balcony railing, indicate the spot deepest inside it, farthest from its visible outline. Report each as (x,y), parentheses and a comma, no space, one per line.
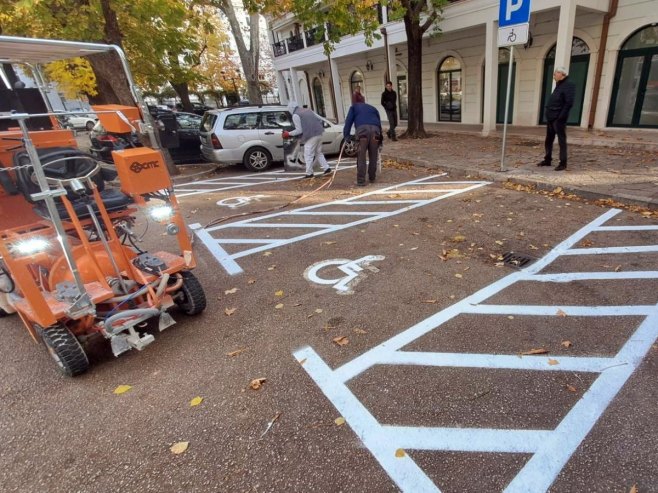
(295,43)
(279,48)
(312,36)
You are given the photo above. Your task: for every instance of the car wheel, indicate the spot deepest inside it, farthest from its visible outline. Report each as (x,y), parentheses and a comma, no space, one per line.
(351,148)
(89,125)
(257,159)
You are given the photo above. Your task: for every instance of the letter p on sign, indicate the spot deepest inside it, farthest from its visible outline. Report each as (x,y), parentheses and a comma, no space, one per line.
(512,6)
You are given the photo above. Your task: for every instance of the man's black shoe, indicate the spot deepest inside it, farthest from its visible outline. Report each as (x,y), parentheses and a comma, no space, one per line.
(373,179)
(360,184)
(561,167)
(327,171)
(544,163)
(309,176)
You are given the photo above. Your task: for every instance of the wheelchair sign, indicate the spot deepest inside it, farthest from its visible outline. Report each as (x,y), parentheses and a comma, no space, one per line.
(353,270)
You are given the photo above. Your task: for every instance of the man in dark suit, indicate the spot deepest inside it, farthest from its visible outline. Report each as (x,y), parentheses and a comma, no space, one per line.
(557,113)
(389,102)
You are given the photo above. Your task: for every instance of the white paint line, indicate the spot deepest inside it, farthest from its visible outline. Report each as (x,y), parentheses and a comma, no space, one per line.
(374,355)
(593,276)
(237,241)
(652,227)
(552,310)
(466,439)
(278,225)
(333,213)
(499,361)
(218,252)
(402,470)
(541,470)
(384,202)
(609,250)
(431,190)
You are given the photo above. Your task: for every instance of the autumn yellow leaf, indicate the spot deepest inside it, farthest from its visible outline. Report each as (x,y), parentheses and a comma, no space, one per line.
(400,453)
(257,383)
(566,344)
(278,293)
(341,340)
(498,242)
(560,313)
(458,238)
(571,388)
(271,267)
(302,361)
(429,301)
(122,389)
(230,311)
(553,362)
(278,306)
(196,401)
(231,291)
(318,310)
(340,421)
(251,281)
(458,276)
(360,331)
(179,447)
(267,254)
(535,351)
(236,352)
(633,489)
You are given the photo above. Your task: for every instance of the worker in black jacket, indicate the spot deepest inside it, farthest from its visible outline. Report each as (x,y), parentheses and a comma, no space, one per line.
(389,102)
(557,113)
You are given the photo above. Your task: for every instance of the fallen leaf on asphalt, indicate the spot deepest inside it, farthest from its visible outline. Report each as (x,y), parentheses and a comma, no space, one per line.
(553,362)
(328,242)
(278,293)
(400,453)
(618,268)
(557,190)
(302,361)
(257,383)
(566,343)
(318,310)
(267,254)
(231,291)
(560,313)
(535,351)
(251,281)
(571,388)
(230,311)
(511,317)
(122,389)
(533,247)
(196,401)
(340,421)
(498,242)
(278,306)
(458,276)
(341,340)
(458,238)
(236,352)
(633,489)
(360,331)
(179,447)
(428,301)
(271,267)
(586,243)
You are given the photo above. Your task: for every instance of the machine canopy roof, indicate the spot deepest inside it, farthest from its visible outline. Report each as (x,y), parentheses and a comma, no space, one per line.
(32,50)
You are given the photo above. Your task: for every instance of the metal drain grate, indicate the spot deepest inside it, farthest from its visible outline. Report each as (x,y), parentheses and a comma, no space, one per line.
(517,260)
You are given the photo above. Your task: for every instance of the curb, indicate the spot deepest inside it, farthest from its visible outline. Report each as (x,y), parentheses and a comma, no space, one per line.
(498,177)
(183,179)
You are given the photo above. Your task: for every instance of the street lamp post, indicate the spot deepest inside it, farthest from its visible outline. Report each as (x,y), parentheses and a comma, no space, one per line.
(235,87)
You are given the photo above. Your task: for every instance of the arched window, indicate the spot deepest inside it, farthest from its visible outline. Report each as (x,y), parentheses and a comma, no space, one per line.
(635,91)
(577,74)
(450,90)
(356,80)
(318,94)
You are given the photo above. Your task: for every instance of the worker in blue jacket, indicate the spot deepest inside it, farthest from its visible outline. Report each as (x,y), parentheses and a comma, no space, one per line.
(368,124)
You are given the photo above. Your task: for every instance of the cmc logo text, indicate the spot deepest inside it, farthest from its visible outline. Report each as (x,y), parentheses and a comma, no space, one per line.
(137,167)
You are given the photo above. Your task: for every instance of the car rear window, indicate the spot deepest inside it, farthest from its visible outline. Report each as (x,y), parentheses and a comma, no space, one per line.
(241,121)
(208,122)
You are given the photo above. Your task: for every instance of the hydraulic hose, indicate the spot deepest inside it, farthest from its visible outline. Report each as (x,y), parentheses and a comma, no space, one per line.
(141,313)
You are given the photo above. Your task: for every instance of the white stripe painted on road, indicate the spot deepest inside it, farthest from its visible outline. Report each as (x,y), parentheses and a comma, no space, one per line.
(551,449)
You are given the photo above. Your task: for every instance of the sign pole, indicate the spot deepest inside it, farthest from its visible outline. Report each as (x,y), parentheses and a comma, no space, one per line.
(507,98)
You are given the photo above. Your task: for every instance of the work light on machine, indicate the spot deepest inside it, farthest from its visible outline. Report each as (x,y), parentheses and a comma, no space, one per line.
(31,246)
(162,212)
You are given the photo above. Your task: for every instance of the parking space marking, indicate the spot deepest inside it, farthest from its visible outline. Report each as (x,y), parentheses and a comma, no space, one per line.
(246,180)
(551,449)
(214,236)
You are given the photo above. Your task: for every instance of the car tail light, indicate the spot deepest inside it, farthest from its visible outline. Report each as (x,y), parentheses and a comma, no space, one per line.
(216,144)
(108,138)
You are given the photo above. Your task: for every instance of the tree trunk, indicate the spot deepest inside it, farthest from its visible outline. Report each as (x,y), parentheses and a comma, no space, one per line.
(415,125)
(183,91)
(248,57)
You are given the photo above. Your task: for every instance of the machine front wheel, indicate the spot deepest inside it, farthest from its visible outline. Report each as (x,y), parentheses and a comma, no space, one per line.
(192,299)
(65,349)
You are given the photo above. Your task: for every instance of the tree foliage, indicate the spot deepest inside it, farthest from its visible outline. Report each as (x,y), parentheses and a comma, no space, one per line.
(74,77)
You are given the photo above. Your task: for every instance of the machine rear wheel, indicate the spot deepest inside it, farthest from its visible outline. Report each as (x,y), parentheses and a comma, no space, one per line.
(192,300)
(65,349)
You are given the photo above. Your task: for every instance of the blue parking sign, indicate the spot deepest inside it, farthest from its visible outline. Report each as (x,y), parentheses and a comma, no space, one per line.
(513,12)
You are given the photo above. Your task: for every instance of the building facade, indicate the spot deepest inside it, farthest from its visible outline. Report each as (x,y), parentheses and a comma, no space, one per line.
(610,47)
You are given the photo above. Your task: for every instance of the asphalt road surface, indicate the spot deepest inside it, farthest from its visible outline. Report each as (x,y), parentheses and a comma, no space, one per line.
(398,350)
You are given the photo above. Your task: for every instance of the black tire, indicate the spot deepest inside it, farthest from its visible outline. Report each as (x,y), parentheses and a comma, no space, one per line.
(3,313)
(65,349)
(89,126)
(257,159)
(192,299)
(351,148)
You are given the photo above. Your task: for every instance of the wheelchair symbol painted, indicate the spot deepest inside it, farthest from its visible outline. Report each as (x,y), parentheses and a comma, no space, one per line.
(353,270)
(237,202)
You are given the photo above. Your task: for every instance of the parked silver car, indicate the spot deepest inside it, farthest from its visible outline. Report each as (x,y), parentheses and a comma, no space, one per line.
(86,121)
(251,135)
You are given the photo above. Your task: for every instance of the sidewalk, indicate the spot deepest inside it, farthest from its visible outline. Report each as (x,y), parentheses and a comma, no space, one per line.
(618,164)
